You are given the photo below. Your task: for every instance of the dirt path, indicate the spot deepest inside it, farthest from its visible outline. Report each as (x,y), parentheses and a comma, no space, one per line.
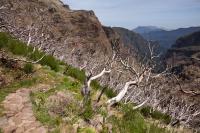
(19,115)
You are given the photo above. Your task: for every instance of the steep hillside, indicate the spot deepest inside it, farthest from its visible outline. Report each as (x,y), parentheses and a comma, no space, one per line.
(77,38)
(185,51)
(133,40)
(35,97)
(168,38)
(184,59)
(138,45)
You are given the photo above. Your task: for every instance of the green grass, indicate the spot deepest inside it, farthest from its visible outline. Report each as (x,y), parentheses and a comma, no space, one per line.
(150,113)
(86,130)
(133,122)
(88,112)
(17,47)
(39,100)
(41,112)
(28,68)
(75,73)
(15,86)
(5,91)
(108,91)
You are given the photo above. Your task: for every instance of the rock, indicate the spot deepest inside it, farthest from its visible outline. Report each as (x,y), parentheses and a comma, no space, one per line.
(3,121)
(40,130)
(20,130)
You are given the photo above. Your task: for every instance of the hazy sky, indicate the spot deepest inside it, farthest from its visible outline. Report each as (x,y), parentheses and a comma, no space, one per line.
(132,13)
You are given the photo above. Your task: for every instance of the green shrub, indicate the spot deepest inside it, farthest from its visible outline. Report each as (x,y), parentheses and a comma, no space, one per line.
(95,85)
(17,47)
(108,91)
(75,73)
(148,112)
(3,40)
(51,62)
(88,111)
(28,68)
(133,122)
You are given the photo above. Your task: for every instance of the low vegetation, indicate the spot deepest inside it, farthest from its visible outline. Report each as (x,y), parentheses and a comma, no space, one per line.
(17,47)
(28,68)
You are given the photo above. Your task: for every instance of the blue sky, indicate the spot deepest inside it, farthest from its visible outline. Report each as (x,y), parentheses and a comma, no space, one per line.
(169,14)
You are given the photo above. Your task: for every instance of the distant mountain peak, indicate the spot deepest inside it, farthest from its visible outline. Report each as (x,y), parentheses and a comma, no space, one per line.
(147,29)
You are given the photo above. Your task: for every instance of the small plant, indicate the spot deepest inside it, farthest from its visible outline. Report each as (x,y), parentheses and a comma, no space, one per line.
(86,130)
(3,40)
(149,112)
(28,68)
(75,73)
(108,91)
(51,62)
(88,111)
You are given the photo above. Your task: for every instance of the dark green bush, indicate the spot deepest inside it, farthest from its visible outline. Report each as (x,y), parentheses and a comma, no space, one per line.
(28,68)
(51,62)
(148,112)
(95,85)
(108,91)
(17,47)
(3,40)
(88,111)
(75,73)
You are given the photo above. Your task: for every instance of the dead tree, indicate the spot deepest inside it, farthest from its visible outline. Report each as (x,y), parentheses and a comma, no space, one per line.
(85,91)
(143,76)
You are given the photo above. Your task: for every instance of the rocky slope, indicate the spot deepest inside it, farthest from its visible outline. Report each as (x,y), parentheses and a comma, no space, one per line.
(184,57)
(73,36)
(134,40)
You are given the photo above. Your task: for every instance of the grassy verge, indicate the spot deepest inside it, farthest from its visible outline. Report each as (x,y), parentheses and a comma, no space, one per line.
(17,47)
(13,87)
(70,110)
(133,122)
(148,112)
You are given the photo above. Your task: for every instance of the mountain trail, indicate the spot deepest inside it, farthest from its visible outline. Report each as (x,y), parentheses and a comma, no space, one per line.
(19,116)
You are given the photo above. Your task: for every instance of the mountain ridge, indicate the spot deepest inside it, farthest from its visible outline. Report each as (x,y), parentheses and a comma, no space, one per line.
(146,29)
(167,38)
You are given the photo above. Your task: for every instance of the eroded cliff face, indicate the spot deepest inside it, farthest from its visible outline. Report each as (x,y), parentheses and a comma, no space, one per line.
(78,38)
